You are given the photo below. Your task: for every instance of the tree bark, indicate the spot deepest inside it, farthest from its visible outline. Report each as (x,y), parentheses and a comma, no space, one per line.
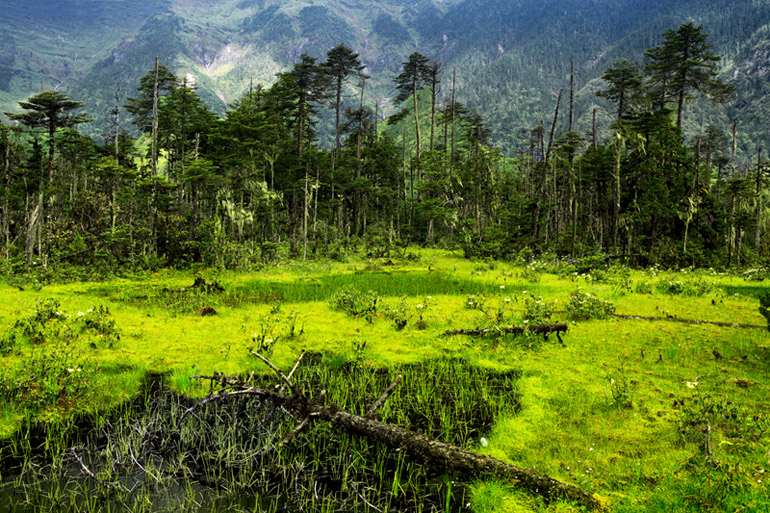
(6,197)
(155,120)
(419,447)
(758,208)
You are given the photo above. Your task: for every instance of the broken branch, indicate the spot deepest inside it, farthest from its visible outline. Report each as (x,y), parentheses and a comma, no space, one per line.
(280,374)
(687,321)
(383,397)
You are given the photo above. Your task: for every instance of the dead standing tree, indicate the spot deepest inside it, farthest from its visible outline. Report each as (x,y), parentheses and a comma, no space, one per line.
(421,448)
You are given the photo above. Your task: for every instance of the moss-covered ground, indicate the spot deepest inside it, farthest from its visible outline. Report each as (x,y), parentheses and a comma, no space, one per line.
(650,415)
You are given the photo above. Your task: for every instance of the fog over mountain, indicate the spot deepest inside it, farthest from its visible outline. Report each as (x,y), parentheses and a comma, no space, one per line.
(512,57)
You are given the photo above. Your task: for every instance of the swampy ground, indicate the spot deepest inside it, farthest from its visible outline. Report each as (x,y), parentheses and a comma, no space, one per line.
(651,415)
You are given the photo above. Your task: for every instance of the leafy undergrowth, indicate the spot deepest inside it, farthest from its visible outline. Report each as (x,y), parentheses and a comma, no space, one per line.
(624,409)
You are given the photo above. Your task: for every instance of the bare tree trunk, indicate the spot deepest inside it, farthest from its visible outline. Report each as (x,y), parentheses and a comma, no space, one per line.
(452,155)
(6,197)
(33,227)
(616,202)
(571,90)
(117,126)
(359,137)
(544,191)
(553,126)
(411,173)
(758,208)
(416,129)
(155,120)
(304,216)
(420,447)
(573,205)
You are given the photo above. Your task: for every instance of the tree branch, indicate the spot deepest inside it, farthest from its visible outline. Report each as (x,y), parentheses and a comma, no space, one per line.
(383,397)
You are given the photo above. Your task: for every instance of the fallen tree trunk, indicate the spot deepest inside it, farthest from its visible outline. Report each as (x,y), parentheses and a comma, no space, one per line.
(451,457)
(539,329)
(420,447)
(687,321)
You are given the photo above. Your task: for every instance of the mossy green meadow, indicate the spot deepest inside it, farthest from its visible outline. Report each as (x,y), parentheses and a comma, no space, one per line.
(651,415)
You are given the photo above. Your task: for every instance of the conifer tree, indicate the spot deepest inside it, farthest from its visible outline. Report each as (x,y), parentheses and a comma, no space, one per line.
(623,83)
(408,84)
(682,64)
(50,110)
(341,63)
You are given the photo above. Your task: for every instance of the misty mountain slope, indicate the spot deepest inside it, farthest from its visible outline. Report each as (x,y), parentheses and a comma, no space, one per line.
(512,56)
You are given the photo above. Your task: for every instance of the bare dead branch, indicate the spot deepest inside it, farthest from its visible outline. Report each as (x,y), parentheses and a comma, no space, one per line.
(277,371)
(687,321)
(293,369)
(222,395)
(383,397)
(296,365)
(84,468)
(372,506)
(423,448)
(288,437)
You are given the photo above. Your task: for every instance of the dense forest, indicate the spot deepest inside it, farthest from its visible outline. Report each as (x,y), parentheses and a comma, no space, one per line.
(256,185)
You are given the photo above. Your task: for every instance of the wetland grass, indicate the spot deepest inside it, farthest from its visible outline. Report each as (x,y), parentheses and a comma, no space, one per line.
(603,412)
(216,459)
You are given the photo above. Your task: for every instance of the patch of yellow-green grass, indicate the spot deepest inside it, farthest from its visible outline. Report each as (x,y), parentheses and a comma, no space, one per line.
(603,412)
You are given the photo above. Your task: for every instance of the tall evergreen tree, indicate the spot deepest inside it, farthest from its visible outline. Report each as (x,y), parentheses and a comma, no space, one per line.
(623,83)
(408,84)
(685,63)
(142,106)
(50,110)
(341,63)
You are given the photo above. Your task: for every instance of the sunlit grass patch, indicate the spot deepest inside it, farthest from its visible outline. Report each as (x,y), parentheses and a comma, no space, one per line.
(605,411)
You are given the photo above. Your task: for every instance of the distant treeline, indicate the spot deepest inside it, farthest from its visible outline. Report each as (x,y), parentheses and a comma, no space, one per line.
(255,185)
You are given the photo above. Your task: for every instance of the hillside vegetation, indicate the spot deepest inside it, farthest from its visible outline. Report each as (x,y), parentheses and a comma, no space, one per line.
(512,58)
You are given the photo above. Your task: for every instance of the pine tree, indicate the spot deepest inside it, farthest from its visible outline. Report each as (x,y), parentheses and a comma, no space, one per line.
(624,81)
(685,63)
(50,110)
(341,63)
(409,83)
(142,106)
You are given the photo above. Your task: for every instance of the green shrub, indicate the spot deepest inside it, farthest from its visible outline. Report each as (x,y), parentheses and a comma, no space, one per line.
(474,302)
(536,311)
(583,306)
(355,302)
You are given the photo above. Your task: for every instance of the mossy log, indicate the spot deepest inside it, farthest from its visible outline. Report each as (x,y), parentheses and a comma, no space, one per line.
(539,329)
(670,318)
(451,457)
(419,447)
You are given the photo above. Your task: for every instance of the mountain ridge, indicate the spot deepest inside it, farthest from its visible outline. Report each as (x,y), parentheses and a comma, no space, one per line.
(512,57)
